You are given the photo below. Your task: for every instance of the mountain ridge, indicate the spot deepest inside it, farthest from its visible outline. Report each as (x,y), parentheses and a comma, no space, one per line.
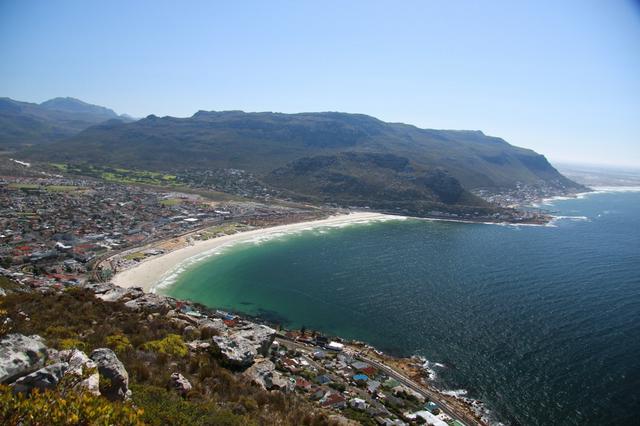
(350,155)
(27,123)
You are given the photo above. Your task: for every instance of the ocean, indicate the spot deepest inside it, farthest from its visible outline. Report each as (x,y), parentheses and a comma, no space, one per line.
(540,323)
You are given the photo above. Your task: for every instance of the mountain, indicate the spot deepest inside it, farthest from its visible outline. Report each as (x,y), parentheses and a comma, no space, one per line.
(384,181)
(25,123)
(76,106)
(321,156)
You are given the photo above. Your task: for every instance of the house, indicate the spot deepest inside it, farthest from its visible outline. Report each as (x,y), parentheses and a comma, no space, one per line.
(303,384)
(369,371)
(360,377)
(431,406)
(333,400)
(317,393)
(430,418)
(359,365)
(334,346)
(63,247)
(291,365)
(358,404)
(372,386)
(323,379)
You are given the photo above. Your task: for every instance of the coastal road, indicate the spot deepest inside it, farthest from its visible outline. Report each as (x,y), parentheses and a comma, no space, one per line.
(429,394)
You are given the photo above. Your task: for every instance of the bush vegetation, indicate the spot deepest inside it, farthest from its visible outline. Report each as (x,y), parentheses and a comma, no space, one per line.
(59,407)
(151,348)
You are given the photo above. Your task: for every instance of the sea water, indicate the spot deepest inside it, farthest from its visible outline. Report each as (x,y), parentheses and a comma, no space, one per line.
(540,323)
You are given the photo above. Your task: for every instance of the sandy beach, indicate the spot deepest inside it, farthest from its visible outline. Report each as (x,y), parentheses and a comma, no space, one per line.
(148,273)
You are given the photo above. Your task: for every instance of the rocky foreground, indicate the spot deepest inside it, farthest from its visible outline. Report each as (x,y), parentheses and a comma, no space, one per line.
(100,354)
(131,357)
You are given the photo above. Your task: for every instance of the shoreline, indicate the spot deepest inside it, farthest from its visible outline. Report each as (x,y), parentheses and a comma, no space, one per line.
(152,271)
(158,270)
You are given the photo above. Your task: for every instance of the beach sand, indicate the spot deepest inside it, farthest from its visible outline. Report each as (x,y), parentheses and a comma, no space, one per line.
(150,272)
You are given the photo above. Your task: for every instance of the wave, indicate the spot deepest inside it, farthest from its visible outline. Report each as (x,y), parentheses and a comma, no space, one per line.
(478,407)
(581,195)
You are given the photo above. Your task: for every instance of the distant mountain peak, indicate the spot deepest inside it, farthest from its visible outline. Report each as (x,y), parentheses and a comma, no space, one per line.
(74,105)
(26,123)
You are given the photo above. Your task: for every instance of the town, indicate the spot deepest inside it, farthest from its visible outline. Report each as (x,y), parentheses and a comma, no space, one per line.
(55,228)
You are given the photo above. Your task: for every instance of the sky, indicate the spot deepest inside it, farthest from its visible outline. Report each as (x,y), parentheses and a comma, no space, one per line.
(560,77)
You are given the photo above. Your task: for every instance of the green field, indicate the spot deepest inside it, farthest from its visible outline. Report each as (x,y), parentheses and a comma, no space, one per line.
(171,202)
(117,174)
(62,188)
(23,186)
(135,256)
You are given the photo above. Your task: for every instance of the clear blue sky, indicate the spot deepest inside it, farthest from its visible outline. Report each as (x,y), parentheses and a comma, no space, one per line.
(561,77)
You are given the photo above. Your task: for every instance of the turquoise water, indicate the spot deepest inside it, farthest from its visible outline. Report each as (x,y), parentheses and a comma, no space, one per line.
(541,323)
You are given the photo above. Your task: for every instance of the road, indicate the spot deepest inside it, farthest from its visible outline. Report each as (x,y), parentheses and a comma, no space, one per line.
(428,394)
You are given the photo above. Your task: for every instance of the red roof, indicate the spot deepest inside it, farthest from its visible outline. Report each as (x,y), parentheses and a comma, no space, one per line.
(369,371)
(303,383)
(333,399)
(62,277)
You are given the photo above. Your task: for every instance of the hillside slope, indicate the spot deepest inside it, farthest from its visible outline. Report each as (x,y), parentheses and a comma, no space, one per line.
(277,148)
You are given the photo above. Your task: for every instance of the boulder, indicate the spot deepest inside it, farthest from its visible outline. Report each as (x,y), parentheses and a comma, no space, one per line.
(82,368)
(112,369)
(44,378)
(190,332)
(264,374)
(212,326)
(260,336)
(119,293)
(198,345)
(241,345)
(20,355)
(180,323)
(236,351)
(180,384)
(99,288)
(149,301)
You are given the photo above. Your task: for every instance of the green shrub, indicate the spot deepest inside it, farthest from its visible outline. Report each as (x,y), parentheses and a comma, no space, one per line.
(170,345)
(162,407)
(118,342)
(57,408)
(71,344)
(60,332)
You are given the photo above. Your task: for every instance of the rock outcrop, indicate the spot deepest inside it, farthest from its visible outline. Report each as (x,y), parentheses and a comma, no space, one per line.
(83,370)
(241,345)
(150,301)
(44,378)
(180,384)
(112,369)
(20,355)
(264,374)
(119,294)
(211,326)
